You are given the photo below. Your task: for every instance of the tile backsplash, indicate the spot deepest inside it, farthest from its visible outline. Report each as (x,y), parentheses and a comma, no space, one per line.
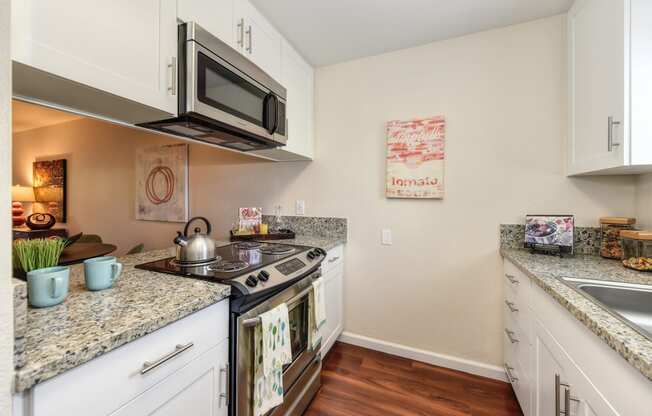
(587,239)
(316,226)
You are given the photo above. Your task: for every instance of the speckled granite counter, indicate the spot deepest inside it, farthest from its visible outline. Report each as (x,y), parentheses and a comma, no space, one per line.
(545,271)
(89,324)
(20,321)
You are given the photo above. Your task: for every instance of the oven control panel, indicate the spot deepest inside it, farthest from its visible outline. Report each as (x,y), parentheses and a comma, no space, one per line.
(290,266)
(281,272)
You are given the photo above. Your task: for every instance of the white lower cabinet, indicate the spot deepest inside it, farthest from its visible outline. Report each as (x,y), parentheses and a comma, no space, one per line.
(557,366)
(196,389)
(561,387)
(189,373)
(333,277)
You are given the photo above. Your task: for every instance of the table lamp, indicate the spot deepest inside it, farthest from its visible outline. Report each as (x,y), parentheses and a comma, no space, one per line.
(20,194)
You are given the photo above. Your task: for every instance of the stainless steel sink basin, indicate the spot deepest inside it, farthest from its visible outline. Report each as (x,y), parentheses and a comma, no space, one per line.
(630,302)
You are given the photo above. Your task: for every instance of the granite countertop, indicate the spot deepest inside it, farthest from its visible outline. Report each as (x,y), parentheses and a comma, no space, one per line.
(545,271)
(89,324)
(326,243)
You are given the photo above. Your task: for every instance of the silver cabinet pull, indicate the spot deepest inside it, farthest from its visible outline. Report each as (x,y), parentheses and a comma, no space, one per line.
(510,376)
(610,133)
(250,48)
(512,279)
(510,335)
(334,259)
(511,307)
(567,397)
(226,395)
(241,32)
(172,69)
(557,402)
(147,366)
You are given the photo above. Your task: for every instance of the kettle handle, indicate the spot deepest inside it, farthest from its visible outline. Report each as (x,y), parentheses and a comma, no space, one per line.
(208,225)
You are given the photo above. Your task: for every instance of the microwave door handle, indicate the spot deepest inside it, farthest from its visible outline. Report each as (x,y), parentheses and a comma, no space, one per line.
(267,113)
(276,115)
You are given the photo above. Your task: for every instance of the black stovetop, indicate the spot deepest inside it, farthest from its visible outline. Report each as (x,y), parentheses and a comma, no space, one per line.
(255,258)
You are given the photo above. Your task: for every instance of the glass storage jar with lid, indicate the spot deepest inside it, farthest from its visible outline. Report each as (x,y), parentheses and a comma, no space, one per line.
(637,247)
(610,227)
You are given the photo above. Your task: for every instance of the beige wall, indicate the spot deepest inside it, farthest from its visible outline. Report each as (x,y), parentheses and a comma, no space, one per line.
(6,298)
(101,182)
(644,201)
(439,286)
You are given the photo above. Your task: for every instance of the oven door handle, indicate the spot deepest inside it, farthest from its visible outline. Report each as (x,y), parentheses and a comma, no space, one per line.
(252,322)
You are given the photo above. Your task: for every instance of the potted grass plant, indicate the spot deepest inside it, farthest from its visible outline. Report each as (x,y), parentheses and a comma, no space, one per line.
(37,259)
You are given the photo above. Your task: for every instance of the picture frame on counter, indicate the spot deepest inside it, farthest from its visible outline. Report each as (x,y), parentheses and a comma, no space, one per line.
(550,234)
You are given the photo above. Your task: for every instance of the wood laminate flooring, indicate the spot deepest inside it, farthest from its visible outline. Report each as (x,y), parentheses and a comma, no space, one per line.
(358,381)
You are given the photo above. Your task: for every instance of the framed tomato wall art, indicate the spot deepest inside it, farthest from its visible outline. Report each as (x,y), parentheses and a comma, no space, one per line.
(415,158)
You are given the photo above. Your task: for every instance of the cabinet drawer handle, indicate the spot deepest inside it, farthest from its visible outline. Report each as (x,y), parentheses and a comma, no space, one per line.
(241,32)
(510,335)
(227,393)
(512,279)
(510,376)
(567,397)
(610,133)
(511,307)
(147,366)
(334,259)
(250,48)
(172,66)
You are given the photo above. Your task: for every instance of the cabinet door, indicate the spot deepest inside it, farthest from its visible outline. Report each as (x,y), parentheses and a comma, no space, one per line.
(197,389)
(258,39)
(126,48)
(333,281)
(597,85)
(216,16)
(546,368)
(298,77)
(551,361)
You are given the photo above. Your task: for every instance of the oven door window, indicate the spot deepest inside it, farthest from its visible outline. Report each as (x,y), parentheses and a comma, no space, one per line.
(298,315)
(219,87)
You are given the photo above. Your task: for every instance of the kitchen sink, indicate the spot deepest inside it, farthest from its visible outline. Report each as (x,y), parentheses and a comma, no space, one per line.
(629,302)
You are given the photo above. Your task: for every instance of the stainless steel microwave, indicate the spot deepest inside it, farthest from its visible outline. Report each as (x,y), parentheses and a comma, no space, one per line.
(224,98)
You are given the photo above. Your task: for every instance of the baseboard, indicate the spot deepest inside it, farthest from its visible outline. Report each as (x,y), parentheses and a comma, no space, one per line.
(428,357)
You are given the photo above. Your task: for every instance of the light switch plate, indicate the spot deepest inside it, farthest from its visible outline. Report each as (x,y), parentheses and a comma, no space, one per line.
(386,237)
(300,207)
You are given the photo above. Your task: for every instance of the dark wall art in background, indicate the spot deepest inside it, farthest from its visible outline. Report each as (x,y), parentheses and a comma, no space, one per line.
(49,178)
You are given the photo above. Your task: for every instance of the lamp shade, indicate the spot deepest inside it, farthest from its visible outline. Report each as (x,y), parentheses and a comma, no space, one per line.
(22,193)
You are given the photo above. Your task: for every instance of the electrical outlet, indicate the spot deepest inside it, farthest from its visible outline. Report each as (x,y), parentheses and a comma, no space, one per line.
(386,236)
(300,207)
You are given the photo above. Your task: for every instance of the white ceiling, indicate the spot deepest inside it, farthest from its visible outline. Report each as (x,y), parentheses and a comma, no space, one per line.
(331,31)
(27,116)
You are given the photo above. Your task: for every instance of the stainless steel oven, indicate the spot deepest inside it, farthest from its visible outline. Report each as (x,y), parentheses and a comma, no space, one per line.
(301,378)
(224,98)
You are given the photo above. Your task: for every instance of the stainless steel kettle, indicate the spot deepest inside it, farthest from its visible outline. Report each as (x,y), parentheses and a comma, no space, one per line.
(195,248)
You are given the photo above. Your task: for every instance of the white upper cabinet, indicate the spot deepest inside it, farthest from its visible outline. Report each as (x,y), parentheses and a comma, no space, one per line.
(297,76)
(256,38)
(126,48)
(610,61)
(216,16)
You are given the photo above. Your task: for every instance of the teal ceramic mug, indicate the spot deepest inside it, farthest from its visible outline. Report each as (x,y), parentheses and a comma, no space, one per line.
(48,286)
(101,272)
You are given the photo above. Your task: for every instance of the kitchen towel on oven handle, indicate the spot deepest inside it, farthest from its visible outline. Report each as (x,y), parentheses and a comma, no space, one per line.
(317,312)
(272,350)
